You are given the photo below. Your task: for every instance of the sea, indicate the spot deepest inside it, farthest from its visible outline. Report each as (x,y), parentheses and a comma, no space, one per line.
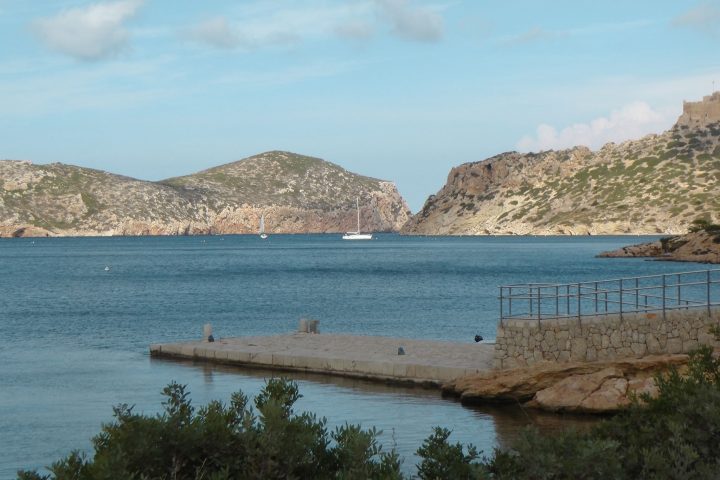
(77,316)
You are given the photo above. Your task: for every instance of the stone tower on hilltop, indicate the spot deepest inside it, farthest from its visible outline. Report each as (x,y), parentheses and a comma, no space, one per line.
(701,114)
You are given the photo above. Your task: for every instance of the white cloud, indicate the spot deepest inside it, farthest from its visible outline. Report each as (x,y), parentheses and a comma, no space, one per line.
(270,24)
(216,32)
(412,23)
(704,18)
(631,121)
(89,33)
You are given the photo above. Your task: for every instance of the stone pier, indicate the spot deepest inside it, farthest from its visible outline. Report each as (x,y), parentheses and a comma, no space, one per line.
(378,358)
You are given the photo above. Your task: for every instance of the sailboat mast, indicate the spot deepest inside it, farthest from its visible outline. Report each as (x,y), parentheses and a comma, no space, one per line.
(357,204)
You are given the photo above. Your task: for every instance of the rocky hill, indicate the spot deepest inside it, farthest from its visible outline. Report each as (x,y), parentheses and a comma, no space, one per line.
(658,184)
(297,194)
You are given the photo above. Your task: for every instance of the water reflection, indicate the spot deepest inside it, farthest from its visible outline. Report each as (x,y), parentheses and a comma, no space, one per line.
(406,414)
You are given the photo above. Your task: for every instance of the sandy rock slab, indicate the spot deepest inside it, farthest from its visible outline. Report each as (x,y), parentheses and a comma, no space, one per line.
(601,387)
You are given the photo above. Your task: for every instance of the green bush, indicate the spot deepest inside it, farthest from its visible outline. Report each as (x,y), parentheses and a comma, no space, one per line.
(702,224)
(221,442)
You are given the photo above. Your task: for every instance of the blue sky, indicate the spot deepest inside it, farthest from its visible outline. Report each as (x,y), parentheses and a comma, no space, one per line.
(396,89)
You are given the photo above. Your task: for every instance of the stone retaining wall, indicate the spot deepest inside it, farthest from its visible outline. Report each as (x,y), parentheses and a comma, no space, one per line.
(526,342)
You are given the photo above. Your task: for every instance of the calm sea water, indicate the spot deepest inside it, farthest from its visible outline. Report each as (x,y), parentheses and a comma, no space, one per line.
(74,337)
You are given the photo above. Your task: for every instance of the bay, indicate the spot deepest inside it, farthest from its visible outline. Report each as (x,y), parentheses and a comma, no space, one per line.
(74,336)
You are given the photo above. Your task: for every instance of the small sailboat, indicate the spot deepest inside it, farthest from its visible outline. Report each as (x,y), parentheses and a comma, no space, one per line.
(357,235)
(263,235)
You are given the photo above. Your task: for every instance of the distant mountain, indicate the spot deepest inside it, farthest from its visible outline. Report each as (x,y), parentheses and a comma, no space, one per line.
(658,184)
(297,194)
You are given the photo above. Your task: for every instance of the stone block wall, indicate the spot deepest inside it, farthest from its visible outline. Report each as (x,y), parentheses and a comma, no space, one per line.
(526,342)
(701,113)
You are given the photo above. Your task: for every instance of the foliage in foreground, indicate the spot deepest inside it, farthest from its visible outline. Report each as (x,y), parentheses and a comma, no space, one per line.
(676,435)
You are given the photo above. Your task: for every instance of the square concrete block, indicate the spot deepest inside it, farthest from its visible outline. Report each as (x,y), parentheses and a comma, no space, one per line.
(187,351)
(203,352)
(346,365)
(411,370)
(238,356)
(221,354)
(425,372)
(400,370)
(261,358)
(281,360)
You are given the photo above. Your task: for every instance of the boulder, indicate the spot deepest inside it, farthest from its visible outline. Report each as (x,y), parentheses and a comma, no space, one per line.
(596,387)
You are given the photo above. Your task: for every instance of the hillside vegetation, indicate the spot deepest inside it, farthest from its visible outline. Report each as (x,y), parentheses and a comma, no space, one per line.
(657,184)
(297,194)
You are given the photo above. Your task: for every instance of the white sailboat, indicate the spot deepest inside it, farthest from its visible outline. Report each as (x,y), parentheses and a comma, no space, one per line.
(356,235)
(263,235)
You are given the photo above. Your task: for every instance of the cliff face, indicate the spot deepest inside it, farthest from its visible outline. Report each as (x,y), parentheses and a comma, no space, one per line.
(658,184)
(297,194)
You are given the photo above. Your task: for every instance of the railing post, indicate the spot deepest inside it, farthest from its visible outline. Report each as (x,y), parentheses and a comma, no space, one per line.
(501,305)
(578,303)
(637,294)
(530,300)
(557,302)
(510,300)
(708,293)
(567,299)
(621,299)
(663,295)
(606,302)
(539,306)
(595,307)
(679,292)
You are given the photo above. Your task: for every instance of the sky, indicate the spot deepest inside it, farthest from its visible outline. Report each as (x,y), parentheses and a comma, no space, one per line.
(401,90)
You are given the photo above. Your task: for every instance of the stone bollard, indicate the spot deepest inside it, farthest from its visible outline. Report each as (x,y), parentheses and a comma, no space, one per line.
(303,326)
(207,332)
(313,326)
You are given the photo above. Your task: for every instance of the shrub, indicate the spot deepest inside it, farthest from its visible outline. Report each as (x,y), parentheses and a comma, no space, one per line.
(675,435)
(227,442)
(702,224)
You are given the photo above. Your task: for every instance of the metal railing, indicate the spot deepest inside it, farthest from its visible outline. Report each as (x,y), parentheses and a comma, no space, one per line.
(621,296)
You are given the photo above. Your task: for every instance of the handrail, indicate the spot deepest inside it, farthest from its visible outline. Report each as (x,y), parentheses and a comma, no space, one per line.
(647,293)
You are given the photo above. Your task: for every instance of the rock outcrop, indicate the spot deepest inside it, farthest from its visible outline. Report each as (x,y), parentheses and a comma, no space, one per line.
(583,387)
(658,184)
(297,194)
(701,246)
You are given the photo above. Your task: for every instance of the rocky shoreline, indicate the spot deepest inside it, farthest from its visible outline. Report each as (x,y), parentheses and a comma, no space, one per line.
(701,247)
(582,387)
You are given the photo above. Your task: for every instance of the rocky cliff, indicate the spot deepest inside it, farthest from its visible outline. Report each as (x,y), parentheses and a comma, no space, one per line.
(657,184)
(297,194)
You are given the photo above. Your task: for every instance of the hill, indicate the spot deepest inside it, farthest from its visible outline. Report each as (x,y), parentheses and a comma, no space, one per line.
(297,194)
(658,184)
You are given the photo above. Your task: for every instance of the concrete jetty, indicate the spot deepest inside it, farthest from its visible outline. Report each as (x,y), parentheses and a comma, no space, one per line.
(378,358)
